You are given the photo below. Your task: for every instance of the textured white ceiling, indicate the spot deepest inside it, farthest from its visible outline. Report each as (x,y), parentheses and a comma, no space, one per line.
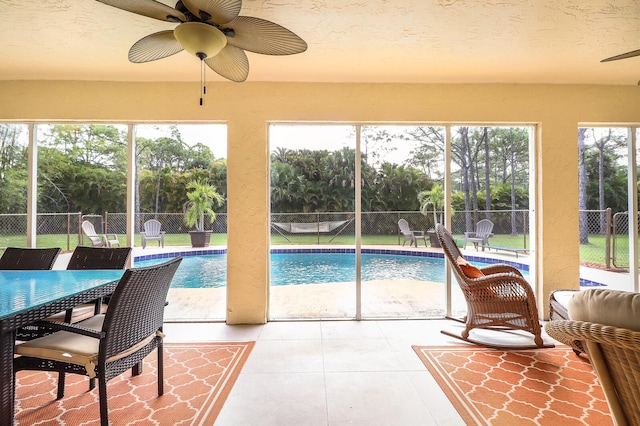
(425,41)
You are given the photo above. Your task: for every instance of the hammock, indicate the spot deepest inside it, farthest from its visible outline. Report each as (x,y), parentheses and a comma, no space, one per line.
(307,228)
(311,228)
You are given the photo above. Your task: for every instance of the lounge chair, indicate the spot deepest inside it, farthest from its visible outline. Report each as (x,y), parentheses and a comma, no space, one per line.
(99,240)
(484,230)
(606,323)
(410,235)
(498,297)
(152,232)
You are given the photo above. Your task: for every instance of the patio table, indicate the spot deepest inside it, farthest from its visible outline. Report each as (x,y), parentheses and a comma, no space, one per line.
(29,296)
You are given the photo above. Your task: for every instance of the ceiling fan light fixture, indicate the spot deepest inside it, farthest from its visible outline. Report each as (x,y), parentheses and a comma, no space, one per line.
(201,40)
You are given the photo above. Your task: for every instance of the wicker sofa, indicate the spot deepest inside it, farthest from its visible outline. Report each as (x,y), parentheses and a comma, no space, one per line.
(607,323)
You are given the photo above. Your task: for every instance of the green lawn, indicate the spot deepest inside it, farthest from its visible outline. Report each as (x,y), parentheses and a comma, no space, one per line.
(594,252)
(70,242)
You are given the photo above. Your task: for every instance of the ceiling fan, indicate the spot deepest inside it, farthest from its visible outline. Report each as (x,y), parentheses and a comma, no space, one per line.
(622,56)
(631,54)
(213,31)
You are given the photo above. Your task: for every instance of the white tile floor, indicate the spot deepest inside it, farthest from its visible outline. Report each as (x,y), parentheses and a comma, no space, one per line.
(331,373)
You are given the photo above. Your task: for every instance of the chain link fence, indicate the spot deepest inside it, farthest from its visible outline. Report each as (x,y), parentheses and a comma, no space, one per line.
(604,239)
(172,223)
(620,240)
(64,230)
(510,227)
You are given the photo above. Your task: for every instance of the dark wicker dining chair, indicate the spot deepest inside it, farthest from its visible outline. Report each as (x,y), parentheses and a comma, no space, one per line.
(84,257)
(99,258)
(95,258)
(15,258)
(81,258)
(106,345)
(498,297)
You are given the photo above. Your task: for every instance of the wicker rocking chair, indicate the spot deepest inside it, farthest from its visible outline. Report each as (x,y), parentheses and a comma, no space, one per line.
(498,297)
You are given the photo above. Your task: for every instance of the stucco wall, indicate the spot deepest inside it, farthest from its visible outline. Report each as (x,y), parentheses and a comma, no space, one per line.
(249,107)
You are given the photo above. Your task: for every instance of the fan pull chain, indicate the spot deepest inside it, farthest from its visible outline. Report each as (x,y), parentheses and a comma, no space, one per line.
(203,89)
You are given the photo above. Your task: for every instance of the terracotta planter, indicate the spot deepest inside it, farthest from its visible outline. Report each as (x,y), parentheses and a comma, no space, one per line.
(200,238)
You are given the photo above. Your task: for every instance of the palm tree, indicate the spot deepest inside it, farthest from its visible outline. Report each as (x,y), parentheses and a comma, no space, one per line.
(202,198)
(432,199)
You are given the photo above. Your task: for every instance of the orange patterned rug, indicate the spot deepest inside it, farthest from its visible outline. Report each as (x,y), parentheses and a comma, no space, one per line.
(526,387)
(198,379)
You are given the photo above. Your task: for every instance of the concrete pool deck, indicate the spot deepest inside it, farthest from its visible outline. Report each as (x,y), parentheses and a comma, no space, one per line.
(380,299)
(398,299)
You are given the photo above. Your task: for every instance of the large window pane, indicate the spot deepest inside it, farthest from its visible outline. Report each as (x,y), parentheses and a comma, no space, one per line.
(13,184)
(170,159)
(312,221)
(490,181)
(81,176)
(603,204)
(402,178)
(402,166)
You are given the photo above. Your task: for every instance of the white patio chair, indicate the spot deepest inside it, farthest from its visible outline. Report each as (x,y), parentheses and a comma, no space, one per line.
(152,232)
(410,235)
(99,240)
(484,230)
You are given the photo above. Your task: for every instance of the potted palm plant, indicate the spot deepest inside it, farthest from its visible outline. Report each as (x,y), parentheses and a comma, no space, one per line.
(202,197)
(432,201)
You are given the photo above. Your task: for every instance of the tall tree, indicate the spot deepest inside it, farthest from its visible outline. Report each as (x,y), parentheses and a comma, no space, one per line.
(603,142)
(162,156)
(13,169)
(514,229)
(460,148)
(487,172)
(429,155)
(82,167)
(582,187)
(375,144)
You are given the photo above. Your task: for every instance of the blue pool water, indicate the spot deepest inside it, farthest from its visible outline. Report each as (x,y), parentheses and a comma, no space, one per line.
(210,271)
(314,268)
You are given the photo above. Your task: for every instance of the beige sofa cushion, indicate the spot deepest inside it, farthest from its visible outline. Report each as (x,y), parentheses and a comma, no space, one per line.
(610,307)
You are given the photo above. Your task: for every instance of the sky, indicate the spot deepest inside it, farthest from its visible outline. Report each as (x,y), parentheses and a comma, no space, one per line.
(335,137)
(331,137)
(212,135)
(288,136)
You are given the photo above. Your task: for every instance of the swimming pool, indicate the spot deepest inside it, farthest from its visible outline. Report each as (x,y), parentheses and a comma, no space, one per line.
(296,268)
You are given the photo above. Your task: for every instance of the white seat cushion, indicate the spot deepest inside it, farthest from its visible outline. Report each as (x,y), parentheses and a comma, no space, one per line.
(73,348)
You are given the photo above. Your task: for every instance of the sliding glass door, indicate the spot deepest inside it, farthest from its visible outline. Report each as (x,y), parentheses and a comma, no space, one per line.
(312,221)
(341,197)
(608,218)
(402,169)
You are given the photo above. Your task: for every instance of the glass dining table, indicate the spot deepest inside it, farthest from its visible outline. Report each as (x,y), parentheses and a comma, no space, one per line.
(29,296)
